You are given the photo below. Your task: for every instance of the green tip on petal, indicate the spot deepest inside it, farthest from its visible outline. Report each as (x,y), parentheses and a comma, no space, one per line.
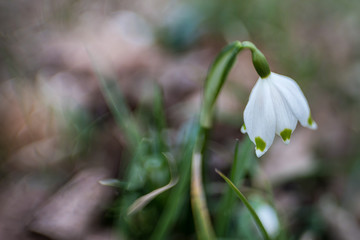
(260,144)
(310,121)
(312,124)
(285,135)
(243,129)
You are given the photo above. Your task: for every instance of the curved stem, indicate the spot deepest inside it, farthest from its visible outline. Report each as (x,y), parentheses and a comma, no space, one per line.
(215,80)
(259,60)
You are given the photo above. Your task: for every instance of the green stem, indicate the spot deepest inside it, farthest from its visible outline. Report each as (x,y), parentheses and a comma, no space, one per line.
(203,225)
(215,80)
(259,60)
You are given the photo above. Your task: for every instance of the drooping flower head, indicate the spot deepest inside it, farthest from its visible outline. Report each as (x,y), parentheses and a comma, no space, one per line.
(276,104)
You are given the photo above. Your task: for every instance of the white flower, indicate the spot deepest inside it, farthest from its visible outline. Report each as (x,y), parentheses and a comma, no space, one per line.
(275,105)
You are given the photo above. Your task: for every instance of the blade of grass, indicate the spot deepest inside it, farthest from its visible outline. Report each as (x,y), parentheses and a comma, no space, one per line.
(118,107)
(159,113)
(144,200)
(159,119)
(248,206)
(242,156)
(141,202)
(178,194)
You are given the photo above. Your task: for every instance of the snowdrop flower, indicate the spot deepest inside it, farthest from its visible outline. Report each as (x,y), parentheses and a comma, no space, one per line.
(275,105)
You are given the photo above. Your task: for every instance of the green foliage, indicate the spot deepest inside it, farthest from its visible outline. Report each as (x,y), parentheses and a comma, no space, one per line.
(242,158)
(248,206)
(300,37)
(215,80)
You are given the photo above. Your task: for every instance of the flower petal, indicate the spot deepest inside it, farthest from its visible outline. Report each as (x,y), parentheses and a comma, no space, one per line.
(285,119)
(259,117)
(243,129)
(295,99)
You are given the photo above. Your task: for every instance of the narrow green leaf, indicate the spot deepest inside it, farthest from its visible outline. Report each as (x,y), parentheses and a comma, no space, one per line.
(144,200)
(159,113)
(216,77)
(119,109)
(248,206)
(176,201)
(242,157)
(113,96)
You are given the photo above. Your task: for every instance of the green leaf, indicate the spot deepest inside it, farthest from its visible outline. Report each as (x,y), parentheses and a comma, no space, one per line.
(248,206)
(144,200)
(215,80)
(242,157)
(177,198)
(118,107)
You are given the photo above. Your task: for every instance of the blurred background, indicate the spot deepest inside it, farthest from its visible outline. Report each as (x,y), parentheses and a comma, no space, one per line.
(62,132)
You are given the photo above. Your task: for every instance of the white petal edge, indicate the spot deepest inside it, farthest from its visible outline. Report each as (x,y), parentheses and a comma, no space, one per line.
(295,98)
(259,117)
